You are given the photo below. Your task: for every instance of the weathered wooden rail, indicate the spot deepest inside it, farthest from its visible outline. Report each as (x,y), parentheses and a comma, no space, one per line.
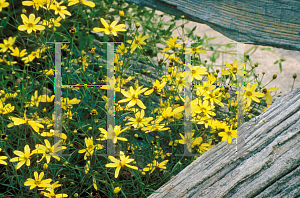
(269,23)
(269,167)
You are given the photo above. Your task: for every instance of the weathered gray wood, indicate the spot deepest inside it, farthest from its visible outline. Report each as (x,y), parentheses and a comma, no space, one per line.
(269,23)
(269,167)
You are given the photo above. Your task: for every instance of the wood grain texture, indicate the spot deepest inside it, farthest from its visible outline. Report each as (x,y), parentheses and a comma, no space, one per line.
(263,22)
(269,167)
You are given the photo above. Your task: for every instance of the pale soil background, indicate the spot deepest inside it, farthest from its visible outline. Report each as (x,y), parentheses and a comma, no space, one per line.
(290,66)
(266,59)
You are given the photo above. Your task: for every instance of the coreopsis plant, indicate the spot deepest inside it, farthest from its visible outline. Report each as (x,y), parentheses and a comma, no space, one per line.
(37,181)
(2,158)
(90,147)
(30,23)
(18,121)
(48,150)
(124,161)
(22,157)
(149,117)
(111,29)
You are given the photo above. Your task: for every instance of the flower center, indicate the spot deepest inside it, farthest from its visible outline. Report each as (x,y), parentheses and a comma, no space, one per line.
(139,119)
(90,147)
(30,25)
(122,163)
(58,8)
(137,42)
(264,90)
(193,49)
(248,93)
(37,183)
(48,151)
(229,133)
(110,29)
(134,97)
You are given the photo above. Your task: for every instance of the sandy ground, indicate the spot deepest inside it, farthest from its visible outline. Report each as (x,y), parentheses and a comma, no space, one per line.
(266,59)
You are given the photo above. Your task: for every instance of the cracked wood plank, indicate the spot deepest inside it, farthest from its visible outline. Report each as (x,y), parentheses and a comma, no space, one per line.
(270,166)
(264,22)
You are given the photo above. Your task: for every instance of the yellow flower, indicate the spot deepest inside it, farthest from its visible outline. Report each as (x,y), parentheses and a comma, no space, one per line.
(122,49)
(117,130)
(228,134)
(155,165)
(233,69)
(66,102)
(51,193)
(203,108)
(156,87)
(6,109)
(35,3)
(132,96)
(197,71)
(3,4)
(90,147)
(18,121)
(7,44)
(51,133)
(111,29)
(155,126)
(204,147)
(48,150)
(213,97)
(2,158)
(250,94)
(120,163)
(117,189)
(84,2)
(61,10)
(37,181)
(195,141)
(139,120)
(30,24)
(16,52)
(268,96)
(34,100)
(52,22)
(49,72)
(172,44)
(172,57)
(194,50)
(23,157)
(32,56)
(137,42)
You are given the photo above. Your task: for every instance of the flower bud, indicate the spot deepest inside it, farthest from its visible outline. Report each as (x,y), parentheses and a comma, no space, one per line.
(121,13)
(182,17)
(45,166)
(138,25)
(263,73)
(294,75)
(274,76)
(256,65)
